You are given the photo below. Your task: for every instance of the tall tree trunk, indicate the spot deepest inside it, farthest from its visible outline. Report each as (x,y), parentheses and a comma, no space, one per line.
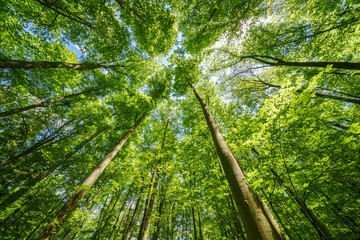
(46,217)
(257,219)
(109,215)
(200,229)
(45,64)
(103,213)
(41,104)
(60,218)
(194,223)
(130,226)
(145,225)
(31,183)
(158,220)
(123,215)
(169,222)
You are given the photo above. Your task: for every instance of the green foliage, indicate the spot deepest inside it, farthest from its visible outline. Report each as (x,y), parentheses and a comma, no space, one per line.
(294,130)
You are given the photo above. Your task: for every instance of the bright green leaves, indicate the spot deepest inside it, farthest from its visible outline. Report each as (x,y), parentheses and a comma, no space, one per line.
(153,25)
(206,22)
(159,84)
(130,106)
(187,71)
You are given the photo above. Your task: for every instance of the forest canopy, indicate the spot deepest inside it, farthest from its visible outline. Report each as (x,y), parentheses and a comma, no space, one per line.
(186,119)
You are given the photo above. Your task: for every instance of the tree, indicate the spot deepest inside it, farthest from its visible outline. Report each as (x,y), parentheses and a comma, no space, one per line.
(259,224)
(277,79)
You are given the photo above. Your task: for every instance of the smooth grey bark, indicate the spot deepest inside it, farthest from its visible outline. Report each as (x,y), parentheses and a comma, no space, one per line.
(257,218)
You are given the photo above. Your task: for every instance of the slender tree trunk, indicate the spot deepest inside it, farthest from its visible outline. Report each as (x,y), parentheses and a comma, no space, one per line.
(339,98)
(200,228)
(101,230)
(157,223)
(41,104)
(227,222)
(257,219)
(293,218)
(320,228)
(45,64)
(41,143)
(194,223)
(169,222)
(118,216)
(145,225)
(130,226)
(272,61)
(23,190)
(28,199)
(341,65)
(59,220)
(347,220)
(68,14)
(46,217)
(103,213)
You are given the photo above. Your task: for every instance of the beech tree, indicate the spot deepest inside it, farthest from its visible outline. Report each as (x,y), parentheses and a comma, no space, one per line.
(188,119)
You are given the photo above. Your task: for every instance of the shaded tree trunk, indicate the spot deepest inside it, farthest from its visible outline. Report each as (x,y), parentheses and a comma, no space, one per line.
(118,216)
(31,183)
(55,225)
(145,225)
(130,226)
(41,143)
(257,219)
(194,223)
(158,220)
(320,228)
(200,229)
